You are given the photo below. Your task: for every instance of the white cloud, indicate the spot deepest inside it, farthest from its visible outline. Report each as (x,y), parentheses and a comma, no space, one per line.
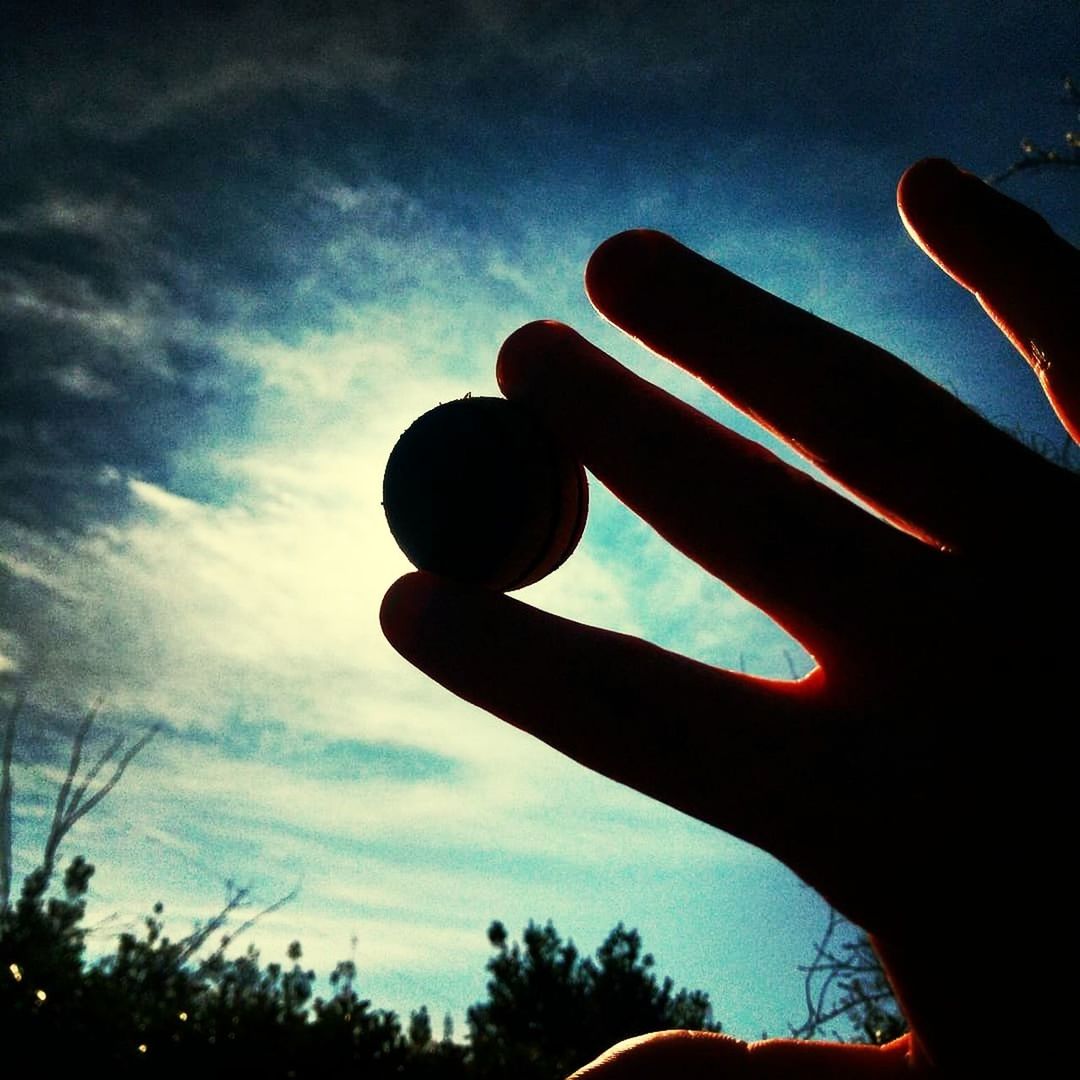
(71,301)
(259,615)
(108,219)
(223,66)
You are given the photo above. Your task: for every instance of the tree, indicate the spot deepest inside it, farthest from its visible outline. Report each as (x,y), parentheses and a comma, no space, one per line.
(846,985)
(74,799)
(41,952)
(7,752)
(1034,156)
(154,1008)
(41,936)
(349,1032)
(420,1029)
(549,1010)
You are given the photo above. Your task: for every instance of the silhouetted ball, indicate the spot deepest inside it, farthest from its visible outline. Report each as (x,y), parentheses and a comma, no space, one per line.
(479,491)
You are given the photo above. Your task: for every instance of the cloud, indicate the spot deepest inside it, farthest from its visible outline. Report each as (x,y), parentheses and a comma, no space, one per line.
(129,79)
(242,251)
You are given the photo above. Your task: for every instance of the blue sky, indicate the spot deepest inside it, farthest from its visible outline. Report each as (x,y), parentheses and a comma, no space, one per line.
(244,248)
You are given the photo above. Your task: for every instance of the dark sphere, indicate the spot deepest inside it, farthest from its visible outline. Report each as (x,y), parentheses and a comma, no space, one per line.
(478,490)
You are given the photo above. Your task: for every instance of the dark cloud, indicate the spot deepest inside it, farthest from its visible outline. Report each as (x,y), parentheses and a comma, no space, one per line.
(171,169)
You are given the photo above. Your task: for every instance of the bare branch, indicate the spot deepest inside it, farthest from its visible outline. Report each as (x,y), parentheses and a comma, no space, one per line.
(80,792)
(104,790)
(6,754)
(848,983)
(1037,157)
(56,830)
(288,898)
(71,806)
(236,899)
(196,939)
(823,961)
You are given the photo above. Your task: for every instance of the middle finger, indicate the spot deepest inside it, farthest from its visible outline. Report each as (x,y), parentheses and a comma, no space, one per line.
(818,564)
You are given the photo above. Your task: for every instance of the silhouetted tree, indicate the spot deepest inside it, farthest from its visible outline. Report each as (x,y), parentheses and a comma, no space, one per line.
(420,1029)
(1035,156)
(158,1007)
(74,799)
(549,1010)
(848,996)
(41,951)
(348,1031)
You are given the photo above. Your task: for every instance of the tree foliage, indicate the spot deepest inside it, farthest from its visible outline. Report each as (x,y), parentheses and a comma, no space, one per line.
(549,1010)
(162,1006)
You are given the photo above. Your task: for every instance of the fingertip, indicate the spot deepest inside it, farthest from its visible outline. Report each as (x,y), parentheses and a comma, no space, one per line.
(630,243)
(927,196)
(402,610)
(973,231)
(925,179)
(617,265)
(686,1054)
(431,620)
(526,352)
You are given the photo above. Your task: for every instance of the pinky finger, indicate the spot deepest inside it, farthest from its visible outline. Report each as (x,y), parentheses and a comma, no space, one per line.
(1026,277)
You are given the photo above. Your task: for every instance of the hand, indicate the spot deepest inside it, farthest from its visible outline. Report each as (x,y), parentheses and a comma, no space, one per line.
(940,628)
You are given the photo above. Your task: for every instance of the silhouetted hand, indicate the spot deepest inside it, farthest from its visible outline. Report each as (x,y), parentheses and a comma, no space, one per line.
(918,776)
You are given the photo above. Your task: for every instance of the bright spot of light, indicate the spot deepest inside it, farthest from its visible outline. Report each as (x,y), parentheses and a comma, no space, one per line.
(142,1048)
(40,995)
(16,974)
(183,1015)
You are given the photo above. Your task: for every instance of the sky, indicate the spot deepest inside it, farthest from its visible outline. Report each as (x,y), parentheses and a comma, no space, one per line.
(243,246)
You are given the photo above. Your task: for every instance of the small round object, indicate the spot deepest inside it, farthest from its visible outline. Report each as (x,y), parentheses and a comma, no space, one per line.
(479,491)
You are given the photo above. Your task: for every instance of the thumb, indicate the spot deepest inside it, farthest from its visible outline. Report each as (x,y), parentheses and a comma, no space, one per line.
(1023,274)
(701,1055)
